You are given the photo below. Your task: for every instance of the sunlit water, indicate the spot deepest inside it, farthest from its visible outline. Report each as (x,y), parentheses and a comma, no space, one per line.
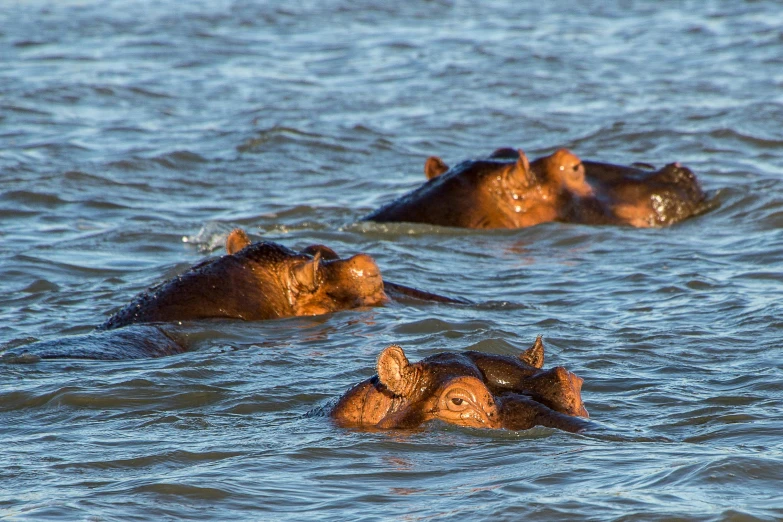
(135,135)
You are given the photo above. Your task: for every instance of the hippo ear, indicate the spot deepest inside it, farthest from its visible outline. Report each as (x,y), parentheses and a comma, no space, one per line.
(236,241)
(434,167)
(642,166)
(306,274)
(505,153)
(523,164)
(534,356)
(394,369)
(327,254)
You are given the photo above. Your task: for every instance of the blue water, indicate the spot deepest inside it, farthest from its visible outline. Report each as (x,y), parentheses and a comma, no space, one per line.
(135,135)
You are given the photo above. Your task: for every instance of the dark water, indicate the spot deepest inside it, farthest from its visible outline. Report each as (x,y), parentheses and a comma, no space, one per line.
(135,135)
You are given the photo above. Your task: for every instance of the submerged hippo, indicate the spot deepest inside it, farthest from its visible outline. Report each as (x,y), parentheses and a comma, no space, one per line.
(505,190)
(252,281)
(470,389)
(259,281)
(265,280)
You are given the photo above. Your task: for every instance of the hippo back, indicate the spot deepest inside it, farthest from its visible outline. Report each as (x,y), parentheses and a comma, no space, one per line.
(465,196)
(245,285)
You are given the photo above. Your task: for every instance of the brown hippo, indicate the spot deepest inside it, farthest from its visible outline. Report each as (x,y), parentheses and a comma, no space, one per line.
(253,281)
(265,280)
(504,190)
(471,389)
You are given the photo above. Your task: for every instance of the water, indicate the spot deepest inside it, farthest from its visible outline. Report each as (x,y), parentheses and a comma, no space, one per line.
(135,135)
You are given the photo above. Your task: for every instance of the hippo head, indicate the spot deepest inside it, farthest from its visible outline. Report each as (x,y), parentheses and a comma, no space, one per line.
(404,395)
(453,388)
(564,170)
(317,286)
(318,281)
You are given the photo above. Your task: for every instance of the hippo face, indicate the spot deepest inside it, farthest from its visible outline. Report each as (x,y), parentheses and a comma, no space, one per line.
(259,281)
(319,287)
(465,389)
(318,281)
(504,190)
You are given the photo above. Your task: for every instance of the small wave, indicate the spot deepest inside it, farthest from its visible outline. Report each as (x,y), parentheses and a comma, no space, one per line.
(754,141)
(178,457)
(24,110)
(147,92)
(33,199)
(211,236)
(179,160)
(276,136)
(183,490)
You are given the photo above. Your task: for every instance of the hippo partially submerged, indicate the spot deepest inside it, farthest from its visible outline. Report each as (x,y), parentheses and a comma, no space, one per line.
(253,281)
(471,389)
(262,280)
(505,190)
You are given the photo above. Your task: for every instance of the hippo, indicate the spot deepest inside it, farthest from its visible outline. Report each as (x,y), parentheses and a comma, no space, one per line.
(257,281)
(266,280)
(505,190)
(253,281)
(471,389)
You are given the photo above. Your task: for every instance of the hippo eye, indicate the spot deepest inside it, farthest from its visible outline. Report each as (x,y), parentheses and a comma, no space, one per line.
(577,166)
(457,401)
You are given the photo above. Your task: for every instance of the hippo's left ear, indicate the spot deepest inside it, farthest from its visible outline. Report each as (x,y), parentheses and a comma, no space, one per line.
(394,370)
(236,241)
(434,167)
(306,274)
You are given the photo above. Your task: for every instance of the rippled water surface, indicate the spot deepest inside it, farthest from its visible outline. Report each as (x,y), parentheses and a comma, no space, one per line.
(134,135)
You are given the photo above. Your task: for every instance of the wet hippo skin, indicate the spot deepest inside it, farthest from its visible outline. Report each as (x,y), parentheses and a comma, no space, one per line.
(258,281)
(470,389)
(505,190)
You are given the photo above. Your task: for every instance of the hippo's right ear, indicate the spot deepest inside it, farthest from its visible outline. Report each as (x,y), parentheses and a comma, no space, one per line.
(534,356)
(505,153)
(236,241)
(307,275)
(434,167)
(327,254)
(394,370)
